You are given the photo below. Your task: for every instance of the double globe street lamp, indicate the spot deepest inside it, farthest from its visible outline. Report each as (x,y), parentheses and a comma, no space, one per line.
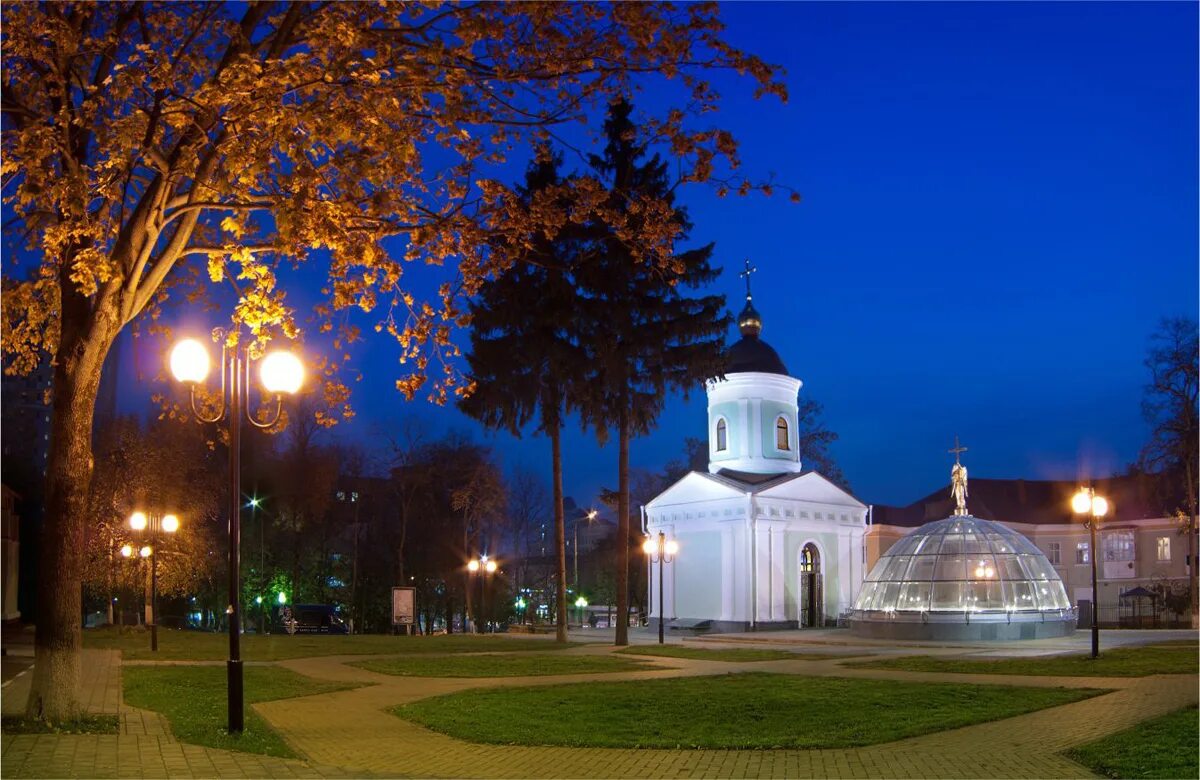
(151,525)
(1092,507)
(281,372)
(661,551)
(488,566)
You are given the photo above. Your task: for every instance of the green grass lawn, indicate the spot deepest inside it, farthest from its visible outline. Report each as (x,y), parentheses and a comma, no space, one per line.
(204,646)
(515,665)
(1120,662)
(193,700)
(85,724)
(753,710)
(730,654)
(1161,748)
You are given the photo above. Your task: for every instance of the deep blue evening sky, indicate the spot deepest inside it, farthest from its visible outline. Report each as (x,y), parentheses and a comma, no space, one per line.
(1000,203)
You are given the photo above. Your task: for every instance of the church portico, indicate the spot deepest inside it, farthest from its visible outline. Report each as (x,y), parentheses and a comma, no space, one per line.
(741,563)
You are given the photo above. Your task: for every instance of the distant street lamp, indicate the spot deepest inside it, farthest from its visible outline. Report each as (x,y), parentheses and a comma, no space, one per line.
(581,604)
(662,552)
(590,516)
(475,566)
(281,372)
(1093,507)
(150,525)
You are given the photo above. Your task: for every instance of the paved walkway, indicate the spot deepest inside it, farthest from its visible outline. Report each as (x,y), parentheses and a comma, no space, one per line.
(143,748)
(350,733)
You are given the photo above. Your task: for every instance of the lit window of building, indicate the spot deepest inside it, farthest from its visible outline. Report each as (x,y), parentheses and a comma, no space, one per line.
(1164,548)
(1118,546)
(1054,553)
(1082,553)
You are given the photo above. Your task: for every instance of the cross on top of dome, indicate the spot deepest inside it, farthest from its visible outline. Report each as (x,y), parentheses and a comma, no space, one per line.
(958,480)
(749,321)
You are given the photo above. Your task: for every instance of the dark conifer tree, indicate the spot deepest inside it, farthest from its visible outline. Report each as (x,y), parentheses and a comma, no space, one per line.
(642,332)
(523,358)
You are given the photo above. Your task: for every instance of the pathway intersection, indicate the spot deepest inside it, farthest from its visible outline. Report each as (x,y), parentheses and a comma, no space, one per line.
(351,734)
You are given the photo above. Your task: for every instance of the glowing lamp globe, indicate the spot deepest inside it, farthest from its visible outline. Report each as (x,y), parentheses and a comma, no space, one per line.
(1099,506)
(650,547)
(473,565)
(672,547)
(170,524)
(581,602)
(146,551)
(189,361)
(127,551)
(491,567)
(137,521)
(1082,502)
(282,372)
(282,598)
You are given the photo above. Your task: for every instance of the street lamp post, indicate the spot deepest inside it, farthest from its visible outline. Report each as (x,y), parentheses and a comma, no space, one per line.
(281,372)
(475,566)
(661,551)
(1093,507)
(150,525)
(591,515)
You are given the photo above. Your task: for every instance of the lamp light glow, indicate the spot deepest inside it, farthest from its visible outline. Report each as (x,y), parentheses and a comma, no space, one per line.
(146,551)
(491,567)
(170,523)
(672,547)
(581,602)
(258,599)
(1082,502)
(282,598)
(1099,506)
(472,565)
(127,551)
(650,547)
(137,521)
(189,361)
(282,372)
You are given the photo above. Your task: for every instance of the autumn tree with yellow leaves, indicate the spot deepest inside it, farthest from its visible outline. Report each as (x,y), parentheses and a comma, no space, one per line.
(148,147)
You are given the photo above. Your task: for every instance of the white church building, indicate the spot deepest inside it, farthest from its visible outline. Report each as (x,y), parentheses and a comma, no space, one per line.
(762,544)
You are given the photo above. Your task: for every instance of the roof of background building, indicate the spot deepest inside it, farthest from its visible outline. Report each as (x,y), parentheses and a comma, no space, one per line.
(1132,497)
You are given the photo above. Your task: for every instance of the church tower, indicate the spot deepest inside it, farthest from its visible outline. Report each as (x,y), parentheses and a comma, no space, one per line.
(752,411)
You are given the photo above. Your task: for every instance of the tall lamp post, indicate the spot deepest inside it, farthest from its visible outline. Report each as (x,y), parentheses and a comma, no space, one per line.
(281,372)
(590,516)
(660,551)
(151,525)
(1093,507)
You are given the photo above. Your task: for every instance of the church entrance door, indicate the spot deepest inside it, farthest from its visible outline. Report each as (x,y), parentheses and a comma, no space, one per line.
(811,614)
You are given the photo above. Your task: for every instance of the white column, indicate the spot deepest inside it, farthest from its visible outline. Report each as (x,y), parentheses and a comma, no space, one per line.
(778,573)
(762,573)
(727,569)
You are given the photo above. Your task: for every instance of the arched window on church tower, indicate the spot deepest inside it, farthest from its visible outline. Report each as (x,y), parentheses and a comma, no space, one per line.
(782,440)
(722,436)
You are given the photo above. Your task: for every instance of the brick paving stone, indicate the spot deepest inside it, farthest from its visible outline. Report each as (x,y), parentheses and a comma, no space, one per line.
(353,730)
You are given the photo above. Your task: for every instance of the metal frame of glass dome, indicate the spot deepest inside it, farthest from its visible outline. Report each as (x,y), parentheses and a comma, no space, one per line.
(963,578)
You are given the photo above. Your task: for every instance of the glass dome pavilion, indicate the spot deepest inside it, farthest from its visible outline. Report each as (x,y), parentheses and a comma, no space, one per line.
(963,578)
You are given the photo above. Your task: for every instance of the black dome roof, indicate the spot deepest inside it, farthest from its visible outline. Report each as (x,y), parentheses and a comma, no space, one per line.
(751,353)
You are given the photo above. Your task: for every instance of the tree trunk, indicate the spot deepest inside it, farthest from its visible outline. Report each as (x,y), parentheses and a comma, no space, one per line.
(83,344)
(622,633)
(560,534)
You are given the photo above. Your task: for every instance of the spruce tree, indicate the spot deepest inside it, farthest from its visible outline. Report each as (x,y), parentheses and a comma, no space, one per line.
(523,357)
(642,332)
